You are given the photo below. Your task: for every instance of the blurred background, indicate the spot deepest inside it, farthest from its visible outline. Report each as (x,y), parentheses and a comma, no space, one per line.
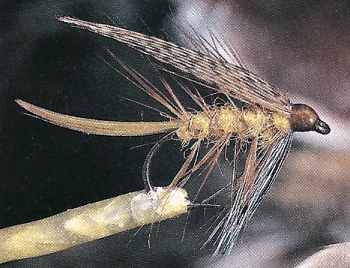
(300,47)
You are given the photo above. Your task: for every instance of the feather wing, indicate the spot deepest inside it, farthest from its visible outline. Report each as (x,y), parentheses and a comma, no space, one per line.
(208,67)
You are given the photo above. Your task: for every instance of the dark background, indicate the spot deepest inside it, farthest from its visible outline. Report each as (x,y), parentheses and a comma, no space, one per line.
(302,47)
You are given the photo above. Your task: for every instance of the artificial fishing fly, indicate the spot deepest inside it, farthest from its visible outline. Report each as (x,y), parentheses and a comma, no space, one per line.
(256,119)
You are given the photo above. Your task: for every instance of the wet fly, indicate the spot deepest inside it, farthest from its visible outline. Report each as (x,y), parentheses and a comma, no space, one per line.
(257,119)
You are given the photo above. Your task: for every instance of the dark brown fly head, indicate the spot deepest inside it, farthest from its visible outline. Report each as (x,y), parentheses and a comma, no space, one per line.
(304,118)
